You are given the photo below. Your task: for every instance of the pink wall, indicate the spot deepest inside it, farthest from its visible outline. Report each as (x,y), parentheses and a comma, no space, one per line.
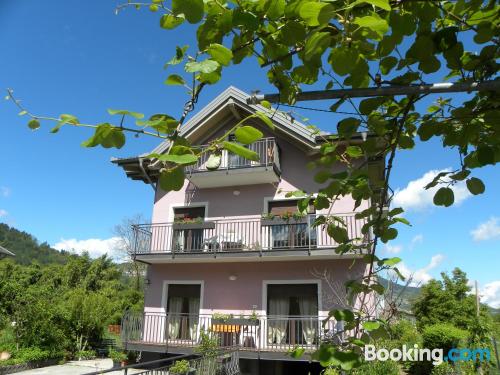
(250,202)
(220,293)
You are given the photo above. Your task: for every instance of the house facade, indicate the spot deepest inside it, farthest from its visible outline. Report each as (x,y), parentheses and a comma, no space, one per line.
(228,254)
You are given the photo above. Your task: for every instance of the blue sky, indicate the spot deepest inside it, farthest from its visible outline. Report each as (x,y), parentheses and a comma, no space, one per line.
(80,58)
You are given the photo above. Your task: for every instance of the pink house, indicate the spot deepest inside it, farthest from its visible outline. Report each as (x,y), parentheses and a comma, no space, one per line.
(229,255)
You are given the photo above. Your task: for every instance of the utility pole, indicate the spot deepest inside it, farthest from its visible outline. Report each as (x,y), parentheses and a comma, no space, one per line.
(435,88)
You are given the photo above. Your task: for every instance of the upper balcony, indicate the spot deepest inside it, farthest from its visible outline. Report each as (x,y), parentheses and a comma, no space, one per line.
(240,237)
(235,170)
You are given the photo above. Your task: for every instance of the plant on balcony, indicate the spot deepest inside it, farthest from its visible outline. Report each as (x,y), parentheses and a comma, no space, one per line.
(119,358)
(222,318)
(284,218)
(188,220)
(192,223)
(180,367)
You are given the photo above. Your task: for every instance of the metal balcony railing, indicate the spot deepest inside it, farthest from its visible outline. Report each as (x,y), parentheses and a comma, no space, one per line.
(239,235)
(266,148)
(261,333)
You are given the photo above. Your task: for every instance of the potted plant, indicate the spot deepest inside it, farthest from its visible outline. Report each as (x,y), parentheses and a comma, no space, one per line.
(288,217)
(181,368)
(119,358)
(192,223)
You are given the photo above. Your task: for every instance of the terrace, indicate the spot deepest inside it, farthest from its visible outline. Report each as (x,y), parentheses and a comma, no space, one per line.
(268,336)
(240,237)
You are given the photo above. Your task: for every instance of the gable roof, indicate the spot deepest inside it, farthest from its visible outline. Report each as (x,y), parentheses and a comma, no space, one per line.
(231,102)
(232,99)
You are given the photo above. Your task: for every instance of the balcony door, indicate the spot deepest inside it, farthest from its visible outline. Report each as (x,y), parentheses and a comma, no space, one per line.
(291,233)
(188,239)
(292,311)
(183,309)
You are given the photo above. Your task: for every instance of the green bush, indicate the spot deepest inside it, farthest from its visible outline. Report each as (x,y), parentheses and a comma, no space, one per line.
(443,336)
(117,356)
(25,355)
(179,367)
(85,354)
(377,368)
(404,332)
(443,369)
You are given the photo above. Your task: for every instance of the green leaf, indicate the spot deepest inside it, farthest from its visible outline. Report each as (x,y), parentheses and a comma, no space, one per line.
(107,136)
(22,113)
(64,119)
(369,105)
(172,179)
(343,60)
(169,21)
(485,155)
(247,134)
(265,104)
(274,9)
(265,118)
(373,23)
(444,197)
(316,45)
(206,66)
(316,13)
(241,151)
(371,325)
(297,352)
(354,151)
(175,79)
(33,124)
(387,63)
(176,159)
(342,315)
(219,53)
(384,4)
(347,127)
(214,161)
(179,56)
(391,261)
(475,186)
(192,9)
(339,234)
(123,112)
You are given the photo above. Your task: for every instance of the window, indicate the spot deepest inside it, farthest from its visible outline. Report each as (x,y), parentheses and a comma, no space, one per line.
(188,239)
(183,308)
(293,233)
(292,311)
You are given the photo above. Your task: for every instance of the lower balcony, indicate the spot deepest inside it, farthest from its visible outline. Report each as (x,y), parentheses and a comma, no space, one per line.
(271,336)
(236,237)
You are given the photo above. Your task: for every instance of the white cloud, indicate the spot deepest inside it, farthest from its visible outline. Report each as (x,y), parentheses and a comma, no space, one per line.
(418,239)
(4,191)
(421,276)
(488,230)
(95,246)
(415,197)
(490,294)
(3,213)
(393,249)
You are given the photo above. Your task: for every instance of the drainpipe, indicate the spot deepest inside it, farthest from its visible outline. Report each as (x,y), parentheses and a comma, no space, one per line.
(150,182)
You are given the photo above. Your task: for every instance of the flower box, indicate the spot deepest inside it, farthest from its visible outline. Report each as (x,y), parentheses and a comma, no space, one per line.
(280,221)
(186,226)
(237,321)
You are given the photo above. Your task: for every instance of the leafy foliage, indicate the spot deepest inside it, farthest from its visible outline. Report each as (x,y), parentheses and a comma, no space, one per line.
(62,305)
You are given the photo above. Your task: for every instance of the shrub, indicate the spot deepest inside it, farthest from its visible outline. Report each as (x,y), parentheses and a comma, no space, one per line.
(85,354)
(405,332)
(117,356)
(443,336)
(25,355)
(179,367)
(443,369)
(377,368)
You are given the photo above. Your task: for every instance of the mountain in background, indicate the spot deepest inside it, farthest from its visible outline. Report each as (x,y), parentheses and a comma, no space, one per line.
(27,249)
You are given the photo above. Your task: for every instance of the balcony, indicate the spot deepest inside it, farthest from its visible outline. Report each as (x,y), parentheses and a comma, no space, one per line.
(181,333)
(235,170)
(236,237)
